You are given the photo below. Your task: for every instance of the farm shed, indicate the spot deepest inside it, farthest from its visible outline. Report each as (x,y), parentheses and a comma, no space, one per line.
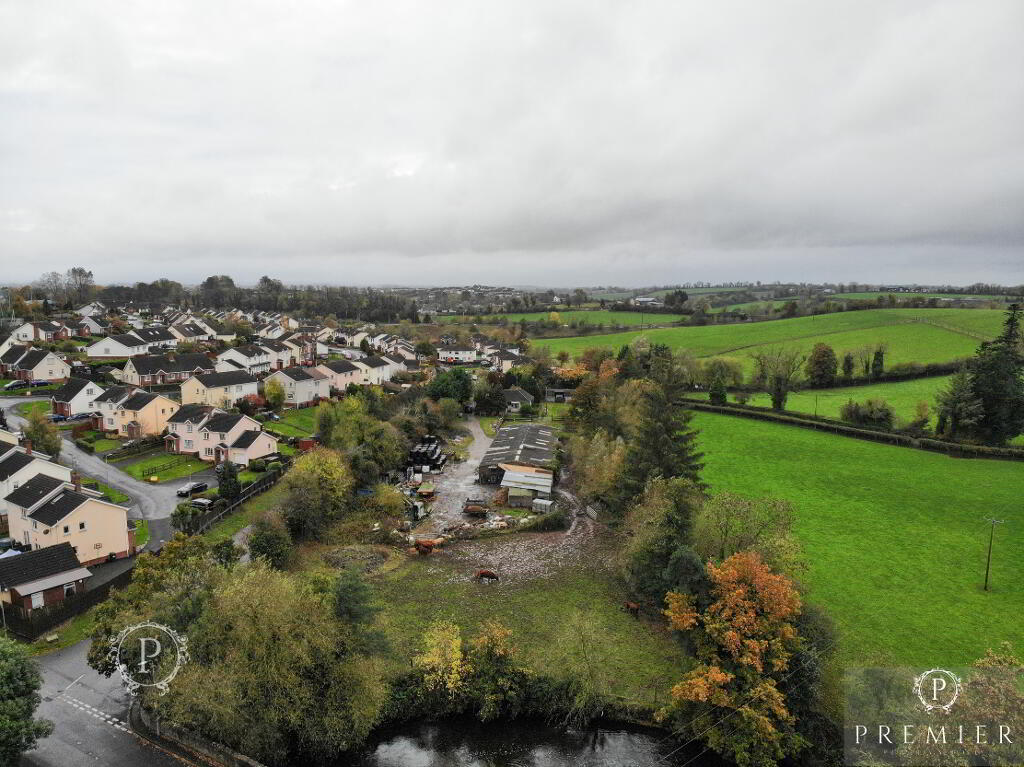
(524,445)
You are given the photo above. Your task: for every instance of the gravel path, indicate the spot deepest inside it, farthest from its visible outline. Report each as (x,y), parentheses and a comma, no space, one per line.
(455,485)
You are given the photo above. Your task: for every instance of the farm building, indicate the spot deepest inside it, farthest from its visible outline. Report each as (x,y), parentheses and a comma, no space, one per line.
(522,446)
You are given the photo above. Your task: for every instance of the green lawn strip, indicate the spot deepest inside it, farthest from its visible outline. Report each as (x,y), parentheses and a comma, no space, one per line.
(103,444)
(895,538)
(910,334)
(488,423)
(228,526)
(141,532)
(115,495)
(298,422)
(636,660)
(144,469)
(25,409)
(72,632)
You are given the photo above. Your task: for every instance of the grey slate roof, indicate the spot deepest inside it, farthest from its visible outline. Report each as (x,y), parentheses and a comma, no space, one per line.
(526,444)
(71,388)
(246,438)
(222,422)
(230,378)
(297,374)
(138,401)
(341,366)
(33,491)
(194,413)
(12,461)
(41,563)
(58,507)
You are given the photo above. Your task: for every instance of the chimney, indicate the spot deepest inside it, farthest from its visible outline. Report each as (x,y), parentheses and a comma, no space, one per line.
(76,480)
(28,447)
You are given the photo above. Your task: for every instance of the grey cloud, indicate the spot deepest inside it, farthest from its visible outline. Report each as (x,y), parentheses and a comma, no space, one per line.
(533,142)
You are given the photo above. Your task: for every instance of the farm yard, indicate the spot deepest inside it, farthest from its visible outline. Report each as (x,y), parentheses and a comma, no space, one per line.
(894,538)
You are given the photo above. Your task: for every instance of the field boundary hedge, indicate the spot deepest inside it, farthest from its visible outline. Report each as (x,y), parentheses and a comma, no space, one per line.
(956,449)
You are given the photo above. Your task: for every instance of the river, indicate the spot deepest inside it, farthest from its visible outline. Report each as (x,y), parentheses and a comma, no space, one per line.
(528,744)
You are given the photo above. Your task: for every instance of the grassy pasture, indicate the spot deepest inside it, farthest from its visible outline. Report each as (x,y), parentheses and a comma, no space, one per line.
(297,422)
(895,538)
(913,335)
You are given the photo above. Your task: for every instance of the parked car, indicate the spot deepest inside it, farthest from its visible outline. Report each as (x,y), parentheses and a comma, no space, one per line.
(39,382)
(6,544)
(202,503)
(80,417)
(56,417)
(192,487)
(12,385)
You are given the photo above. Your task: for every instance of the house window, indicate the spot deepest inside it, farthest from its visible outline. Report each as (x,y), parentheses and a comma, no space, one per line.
(69,590)
(222,436)
(34,525)
(209,451)
(206,435)
(188,428)
(67,529)
(81,526)
(37,600)
(188,443)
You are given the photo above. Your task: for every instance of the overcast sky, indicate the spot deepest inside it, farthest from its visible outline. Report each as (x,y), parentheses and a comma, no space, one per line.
(550,142)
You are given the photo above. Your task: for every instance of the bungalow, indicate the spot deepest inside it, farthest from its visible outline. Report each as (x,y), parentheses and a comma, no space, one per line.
(46,511)
(302,385)
(251,358)
(516,399)
(190,331)
(41,578)
(157,336)
(39,365)
(41,331)
(122,345)
(75,397)
(218,389)
(160,369)
(341,373)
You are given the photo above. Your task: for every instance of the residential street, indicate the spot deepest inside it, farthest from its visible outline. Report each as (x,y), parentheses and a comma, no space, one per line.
(90,716)
(151,502)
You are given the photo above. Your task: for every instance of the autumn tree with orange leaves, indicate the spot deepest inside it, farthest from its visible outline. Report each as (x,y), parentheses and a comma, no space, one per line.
(745,640)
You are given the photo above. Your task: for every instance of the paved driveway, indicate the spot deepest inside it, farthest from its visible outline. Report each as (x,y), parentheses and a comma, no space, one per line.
(150,502)
(90,716)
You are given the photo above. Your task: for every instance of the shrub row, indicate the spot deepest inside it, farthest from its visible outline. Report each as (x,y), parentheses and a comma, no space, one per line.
(85,446)
(861,432)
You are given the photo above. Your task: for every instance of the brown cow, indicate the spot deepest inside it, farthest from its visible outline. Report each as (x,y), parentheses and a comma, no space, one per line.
(488,576)
(632,608)
(427,545)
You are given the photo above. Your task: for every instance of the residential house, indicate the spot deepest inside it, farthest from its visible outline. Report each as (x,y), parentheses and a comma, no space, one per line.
(75,397)
(192,332)
(376,370)
(302,385)
(161,369)
(281,355)
(46,511)
(94,325)
(251,358)
(39,365)
(341,373)
(456,354)
(503,361)
(232,437)
(133,413)
(250,445)
(37,579)
(516,399)
(93,309)
(183,428)
(19,464)
(218,389)
(121,345)
(157,336)
(47,331)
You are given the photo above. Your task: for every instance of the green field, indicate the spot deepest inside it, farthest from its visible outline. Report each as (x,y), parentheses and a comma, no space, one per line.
(590,317)
(868,295)
(27,408)
(895,538)
(913,335)
(902,395)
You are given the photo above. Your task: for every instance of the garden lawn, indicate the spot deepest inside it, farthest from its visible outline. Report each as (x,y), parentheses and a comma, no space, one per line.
(141,533)
(182,466)
(103,444)
(912,335)
(635,659)
(895,538)
(26,409)
(228,526)
(297,422)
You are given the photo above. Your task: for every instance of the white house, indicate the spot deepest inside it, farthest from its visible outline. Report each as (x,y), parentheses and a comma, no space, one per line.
(75,397)
(251,358)
(93,309)
(456,353)
(301,385)
(39,365)
(19,464)
(41,331)
(123,345)
(376,370)
(280,355)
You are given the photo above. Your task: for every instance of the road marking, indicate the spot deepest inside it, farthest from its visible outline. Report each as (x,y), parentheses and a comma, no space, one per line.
(72,684)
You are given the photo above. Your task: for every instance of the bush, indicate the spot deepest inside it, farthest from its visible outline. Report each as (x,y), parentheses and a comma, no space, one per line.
(258,465)
(84,446)
(873,412)
(274,466)
(554,520)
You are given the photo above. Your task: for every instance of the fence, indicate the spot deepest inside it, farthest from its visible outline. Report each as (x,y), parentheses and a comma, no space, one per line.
(168,464)
(818,423)
(142,447)
(31,624)
(259,486)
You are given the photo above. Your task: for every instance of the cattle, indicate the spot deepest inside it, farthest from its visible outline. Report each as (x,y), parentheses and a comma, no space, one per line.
(427,545)
(486,576)
(632,608)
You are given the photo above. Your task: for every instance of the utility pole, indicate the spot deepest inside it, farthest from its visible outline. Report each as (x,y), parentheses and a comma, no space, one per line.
(991,535)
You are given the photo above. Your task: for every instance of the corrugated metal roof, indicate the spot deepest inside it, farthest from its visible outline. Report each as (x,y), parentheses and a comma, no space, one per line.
(528,481)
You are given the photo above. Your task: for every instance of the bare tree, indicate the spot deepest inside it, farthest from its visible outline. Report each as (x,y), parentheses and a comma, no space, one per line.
(79,283)
(778,372)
